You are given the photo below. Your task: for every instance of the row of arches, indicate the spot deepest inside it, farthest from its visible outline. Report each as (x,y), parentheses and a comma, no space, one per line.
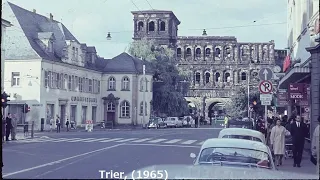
(226,77)
(152,26)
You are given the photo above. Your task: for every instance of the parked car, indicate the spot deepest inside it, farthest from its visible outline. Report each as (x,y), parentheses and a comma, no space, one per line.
(173,122)
(156,123)
(234,153)
(187,121)
(241,133)
(240,123)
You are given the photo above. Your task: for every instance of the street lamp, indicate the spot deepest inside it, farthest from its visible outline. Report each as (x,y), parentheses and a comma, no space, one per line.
(108,36)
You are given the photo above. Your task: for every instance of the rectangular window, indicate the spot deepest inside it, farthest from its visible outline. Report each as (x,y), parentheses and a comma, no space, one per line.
(49,79)
(72,83)
(15,79)
(94,114)
(65,82)
(73,53)
(55,80)
(94,86)
(87,85)
(59,81)
(84,114)
(77,54)
(52,79)
(69,83)
(46,79)
(76,83)
(98,88)
(83,84)
(73,113)
(80,84)
(90,85)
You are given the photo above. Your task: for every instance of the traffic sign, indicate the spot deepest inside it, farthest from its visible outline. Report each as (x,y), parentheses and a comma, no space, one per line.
(265,87)
(265,103)
(265,97)
(265,74)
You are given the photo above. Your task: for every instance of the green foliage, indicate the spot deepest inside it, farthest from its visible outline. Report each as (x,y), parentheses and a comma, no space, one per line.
(167,89)
(238,105)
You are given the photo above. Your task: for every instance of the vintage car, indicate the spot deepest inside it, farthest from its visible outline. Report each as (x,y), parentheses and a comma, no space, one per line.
(241,133)
(241,123)
(234,153)
(156,123)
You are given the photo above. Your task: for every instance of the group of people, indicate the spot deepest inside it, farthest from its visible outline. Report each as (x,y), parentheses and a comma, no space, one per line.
(58,124)
(9,127)
(298,131)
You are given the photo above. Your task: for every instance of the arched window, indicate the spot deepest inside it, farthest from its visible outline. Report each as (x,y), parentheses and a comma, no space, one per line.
(207,77)
(111,107)
(198,77)
(125,109)
(151,26)
(143,109)
(188,53)
(217,77)
(228,51)
(227,77)
(162,26)
(125,83)
(217,52)
(112,83)
(208,52)
(143,84)
(140,26)
(179,52)
(243,76)
(198,52)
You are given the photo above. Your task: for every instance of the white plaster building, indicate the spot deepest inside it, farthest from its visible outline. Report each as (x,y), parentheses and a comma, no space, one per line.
(55,74)
(4,25)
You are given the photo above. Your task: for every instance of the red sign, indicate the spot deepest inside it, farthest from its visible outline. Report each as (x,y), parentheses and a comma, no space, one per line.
(286,63)
(89,121)
(265,87)
(282,99)
(298,91)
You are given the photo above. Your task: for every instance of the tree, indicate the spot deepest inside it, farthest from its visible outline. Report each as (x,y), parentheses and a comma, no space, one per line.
(238,106)
(167,89)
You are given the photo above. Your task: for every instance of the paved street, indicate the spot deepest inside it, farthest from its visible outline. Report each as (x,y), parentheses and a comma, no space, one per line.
(82,154)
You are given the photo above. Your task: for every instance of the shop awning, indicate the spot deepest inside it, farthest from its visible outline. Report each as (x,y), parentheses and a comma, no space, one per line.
(293,76)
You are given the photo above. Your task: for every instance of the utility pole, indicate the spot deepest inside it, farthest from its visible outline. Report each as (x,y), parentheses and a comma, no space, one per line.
(248,96)
(144,94)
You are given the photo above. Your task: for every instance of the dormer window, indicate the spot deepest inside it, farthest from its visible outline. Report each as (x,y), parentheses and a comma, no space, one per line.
(77,54)
(73,53)
(50,46)
(93,57)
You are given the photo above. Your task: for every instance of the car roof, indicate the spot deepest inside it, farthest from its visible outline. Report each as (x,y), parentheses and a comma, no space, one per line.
(235,143)
(241,131)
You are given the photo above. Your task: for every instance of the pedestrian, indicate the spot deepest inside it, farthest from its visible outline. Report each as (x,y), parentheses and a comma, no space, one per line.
(315,145)
(298,131)
(8,126)
(67,124)
(14,127)
(277,141)
(58,123)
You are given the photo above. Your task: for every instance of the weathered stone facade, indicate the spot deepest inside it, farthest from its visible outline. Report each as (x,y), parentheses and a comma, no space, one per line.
(216,65)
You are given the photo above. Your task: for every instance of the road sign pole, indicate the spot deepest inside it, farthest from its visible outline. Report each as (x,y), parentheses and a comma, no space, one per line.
(265,117)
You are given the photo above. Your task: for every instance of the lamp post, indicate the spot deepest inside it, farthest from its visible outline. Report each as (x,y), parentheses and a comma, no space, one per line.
(144,94)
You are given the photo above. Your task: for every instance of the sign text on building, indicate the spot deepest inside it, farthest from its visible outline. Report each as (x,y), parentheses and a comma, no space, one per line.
(83,99)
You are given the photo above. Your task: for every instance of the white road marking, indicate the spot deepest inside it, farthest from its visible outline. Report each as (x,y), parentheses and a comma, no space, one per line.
(156,141)
(94,140)
(189,142)
(173,141)
(110,140)
(83,139)
(200,143)
(162,145)
(61,160)
(141,140)
(126,140)
(72,139)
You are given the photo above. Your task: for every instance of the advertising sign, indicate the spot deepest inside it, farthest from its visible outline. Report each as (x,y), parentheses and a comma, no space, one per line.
(282,99)
(297,91)
(305,102)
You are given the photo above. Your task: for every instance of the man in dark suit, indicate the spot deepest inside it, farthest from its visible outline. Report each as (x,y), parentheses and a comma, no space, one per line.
(298,132)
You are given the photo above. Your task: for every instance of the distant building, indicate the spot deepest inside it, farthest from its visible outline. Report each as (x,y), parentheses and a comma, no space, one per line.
(217,65)
(4,25)
(55,74)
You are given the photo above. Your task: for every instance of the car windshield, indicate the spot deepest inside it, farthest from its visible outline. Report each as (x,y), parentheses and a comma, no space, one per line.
(243,137)
(245,126)
(227,155)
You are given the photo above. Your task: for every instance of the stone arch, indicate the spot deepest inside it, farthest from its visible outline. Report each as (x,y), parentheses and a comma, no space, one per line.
(140,26)
(216,104)
(188,51)
(207,76)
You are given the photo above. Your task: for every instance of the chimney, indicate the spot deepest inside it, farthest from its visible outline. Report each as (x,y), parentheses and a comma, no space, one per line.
(34,11)
(51,17)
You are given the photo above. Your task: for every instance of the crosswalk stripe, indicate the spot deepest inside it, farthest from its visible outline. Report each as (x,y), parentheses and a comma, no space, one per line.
(59,140)
(200,143)
(110,140)
(142,140)
(94,140)
(73,140)
(82,139)
(126,140)
(189,142)
(157,140)
(173,141)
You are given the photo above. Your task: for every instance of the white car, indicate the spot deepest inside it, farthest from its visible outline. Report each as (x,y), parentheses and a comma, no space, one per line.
(234,153)
(173,122)
(241,133)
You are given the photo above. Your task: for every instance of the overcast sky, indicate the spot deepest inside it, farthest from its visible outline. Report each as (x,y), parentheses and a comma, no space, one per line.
(90,20)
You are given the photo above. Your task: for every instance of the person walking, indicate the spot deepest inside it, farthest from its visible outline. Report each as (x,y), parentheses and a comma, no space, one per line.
(14,127)
(277,141)
(298,131)
(67,124)
(315,145)
(8,126)
(58,123)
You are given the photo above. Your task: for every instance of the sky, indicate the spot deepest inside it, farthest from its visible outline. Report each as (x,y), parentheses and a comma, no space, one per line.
(91,20)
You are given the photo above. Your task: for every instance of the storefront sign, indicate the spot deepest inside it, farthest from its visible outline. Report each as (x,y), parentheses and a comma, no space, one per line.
(297,91)
(282,99)
(305,102)
(83,99)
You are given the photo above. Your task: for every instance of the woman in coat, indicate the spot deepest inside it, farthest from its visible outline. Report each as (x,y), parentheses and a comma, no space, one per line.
(277,141)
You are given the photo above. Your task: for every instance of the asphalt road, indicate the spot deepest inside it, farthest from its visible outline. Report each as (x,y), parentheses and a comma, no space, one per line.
(81,154)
